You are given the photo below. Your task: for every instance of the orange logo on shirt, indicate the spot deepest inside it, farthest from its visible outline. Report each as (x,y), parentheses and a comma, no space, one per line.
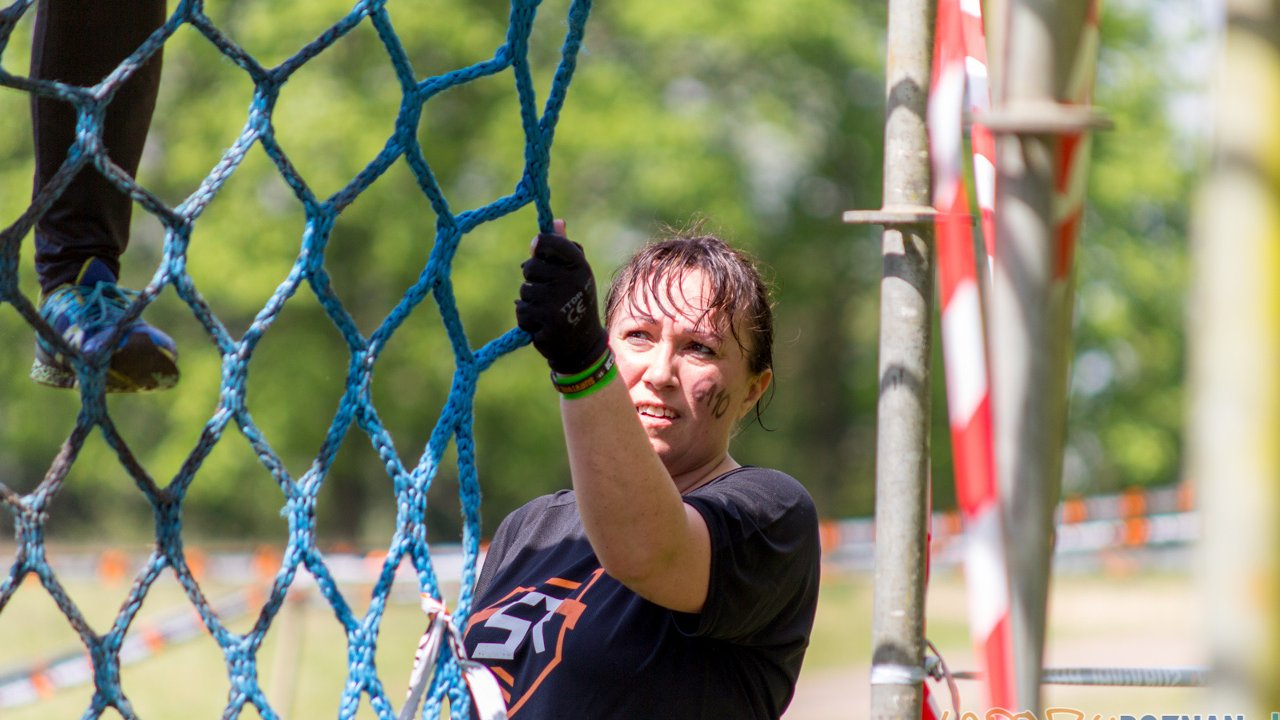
(528,616)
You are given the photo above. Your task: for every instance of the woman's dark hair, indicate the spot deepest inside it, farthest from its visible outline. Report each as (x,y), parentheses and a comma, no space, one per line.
(736,290)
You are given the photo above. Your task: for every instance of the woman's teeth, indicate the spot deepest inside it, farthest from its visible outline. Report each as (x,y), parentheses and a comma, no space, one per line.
(656,411)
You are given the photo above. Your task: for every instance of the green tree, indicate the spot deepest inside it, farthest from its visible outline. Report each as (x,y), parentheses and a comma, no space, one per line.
(1126,417)
(764,118)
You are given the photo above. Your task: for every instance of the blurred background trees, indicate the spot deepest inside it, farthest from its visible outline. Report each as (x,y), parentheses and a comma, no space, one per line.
(763,119)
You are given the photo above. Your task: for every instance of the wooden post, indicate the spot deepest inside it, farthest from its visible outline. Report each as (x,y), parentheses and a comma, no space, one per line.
(1234,420)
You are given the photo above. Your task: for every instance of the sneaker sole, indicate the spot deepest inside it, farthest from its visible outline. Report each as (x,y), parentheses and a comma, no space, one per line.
(137,367)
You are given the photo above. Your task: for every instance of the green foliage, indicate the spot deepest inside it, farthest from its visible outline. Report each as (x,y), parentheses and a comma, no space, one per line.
(763,117)
(1126,417)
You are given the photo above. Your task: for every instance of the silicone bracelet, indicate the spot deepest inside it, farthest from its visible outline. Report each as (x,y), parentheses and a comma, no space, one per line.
(588,381)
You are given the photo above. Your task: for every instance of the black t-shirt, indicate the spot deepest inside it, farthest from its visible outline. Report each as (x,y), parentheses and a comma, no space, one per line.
(565,640)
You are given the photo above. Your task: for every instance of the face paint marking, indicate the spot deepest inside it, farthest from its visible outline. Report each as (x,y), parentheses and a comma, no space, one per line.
(714,397)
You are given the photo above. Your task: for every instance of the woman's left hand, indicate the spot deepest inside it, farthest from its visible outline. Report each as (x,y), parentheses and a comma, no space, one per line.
(557,304)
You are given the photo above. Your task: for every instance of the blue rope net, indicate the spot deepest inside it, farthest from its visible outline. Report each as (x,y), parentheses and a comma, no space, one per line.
(409,541)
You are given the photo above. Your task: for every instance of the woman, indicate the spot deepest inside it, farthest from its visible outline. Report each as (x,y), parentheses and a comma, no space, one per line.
(671,581)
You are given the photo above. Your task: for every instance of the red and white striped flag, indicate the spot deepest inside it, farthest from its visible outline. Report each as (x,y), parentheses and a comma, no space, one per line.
(960,66)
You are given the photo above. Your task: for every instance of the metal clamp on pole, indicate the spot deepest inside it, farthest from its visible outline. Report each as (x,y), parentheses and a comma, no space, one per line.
(1032,117)
(902,215)
(891,215)
(894,674)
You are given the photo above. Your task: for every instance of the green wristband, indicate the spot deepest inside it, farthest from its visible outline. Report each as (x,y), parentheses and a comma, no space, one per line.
(588,381)
(592,369)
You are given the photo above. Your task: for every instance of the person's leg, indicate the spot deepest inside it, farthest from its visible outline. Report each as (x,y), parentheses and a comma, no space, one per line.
(79,42)
(80,239)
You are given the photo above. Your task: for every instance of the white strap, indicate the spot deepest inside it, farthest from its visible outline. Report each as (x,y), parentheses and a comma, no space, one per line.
(486,695)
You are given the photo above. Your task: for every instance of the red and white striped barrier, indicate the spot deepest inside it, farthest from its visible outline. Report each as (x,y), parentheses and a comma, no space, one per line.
(959,64)
(981,139)
(1073,150)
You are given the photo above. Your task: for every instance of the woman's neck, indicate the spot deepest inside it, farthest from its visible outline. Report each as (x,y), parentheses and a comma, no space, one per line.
(699,476)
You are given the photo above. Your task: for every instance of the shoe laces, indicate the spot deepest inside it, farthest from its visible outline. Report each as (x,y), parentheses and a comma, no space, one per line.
(102,307)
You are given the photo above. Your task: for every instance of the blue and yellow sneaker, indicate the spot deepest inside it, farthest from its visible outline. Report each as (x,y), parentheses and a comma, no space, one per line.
(85,315)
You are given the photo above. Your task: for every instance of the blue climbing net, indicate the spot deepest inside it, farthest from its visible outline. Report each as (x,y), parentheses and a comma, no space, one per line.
(409,541)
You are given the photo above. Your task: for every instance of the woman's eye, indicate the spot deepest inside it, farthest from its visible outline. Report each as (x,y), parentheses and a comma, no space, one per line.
(701,349)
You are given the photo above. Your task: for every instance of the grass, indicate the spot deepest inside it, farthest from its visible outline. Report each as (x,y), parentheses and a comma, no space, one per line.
(1097,620)
(302,664)
(1111,618)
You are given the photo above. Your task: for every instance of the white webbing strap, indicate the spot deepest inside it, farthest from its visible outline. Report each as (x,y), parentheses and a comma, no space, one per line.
(486,695)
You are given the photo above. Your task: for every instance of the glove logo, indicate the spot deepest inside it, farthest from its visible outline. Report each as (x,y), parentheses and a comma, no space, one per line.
(576,308)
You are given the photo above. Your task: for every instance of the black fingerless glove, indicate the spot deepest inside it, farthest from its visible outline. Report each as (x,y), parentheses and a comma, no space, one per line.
(557,305)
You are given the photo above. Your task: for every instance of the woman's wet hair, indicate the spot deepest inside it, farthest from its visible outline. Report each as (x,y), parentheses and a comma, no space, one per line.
(736,290)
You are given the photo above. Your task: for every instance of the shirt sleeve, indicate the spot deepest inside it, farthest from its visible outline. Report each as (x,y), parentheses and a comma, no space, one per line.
(765,556)
(503,540)
(517,531)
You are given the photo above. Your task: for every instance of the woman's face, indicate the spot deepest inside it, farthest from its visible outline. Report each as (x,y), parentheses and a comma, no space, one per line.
(688,378)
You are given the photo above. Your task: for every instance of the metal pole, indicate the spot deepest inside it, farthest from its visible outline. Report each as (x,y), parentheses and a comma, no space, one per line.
(1234,422)
(1029,406)
(1109,677)
(1020,330)
(906,313)
(1042,67)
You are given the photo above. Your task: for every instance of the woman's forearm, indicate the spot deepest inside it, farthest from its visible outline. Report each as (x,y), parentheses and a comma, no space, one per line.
(644,534)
